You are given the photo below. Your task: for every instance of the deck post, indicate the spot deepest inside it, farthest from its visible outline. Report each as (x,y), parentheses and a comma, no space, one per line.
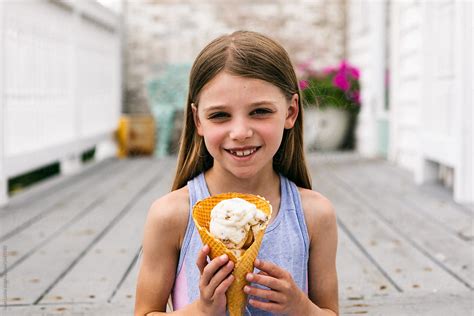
(71,164)
(3,190)
(464,173)
(106,149)
(3,176)
(426,171)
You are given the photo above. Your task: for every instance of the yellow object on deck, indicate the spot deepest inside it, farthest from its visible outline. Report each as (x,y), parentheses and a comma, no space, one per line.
(136,135)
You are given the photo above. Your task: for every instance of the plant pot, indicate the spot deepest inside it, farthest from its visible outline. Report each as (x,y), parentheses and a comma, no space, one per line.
(325,129)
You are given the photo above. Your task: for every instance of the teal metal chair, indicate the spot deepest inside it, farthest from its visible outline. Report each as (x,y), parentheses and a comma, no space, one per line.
(167,94)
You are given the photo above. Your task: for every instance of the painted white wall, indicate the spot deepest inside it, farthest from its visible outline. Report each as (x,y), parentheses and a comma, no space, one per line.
(406,82)
(61,83)
(366,26)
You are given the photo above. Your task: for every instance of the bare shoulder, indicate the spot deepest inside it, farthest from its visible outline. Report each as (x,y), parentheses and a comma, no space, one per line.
(169,214)
(321,222)
(319,212)
(164,230)
(171,206)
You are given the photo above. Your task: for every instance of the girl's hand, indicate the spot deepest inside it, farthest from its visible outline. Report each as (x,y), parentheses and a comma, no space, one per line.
(215,279)
(284,296)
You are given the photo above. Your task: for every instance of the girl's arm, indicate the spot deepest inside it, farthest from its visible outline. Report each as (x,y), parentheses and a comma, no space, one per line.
(164,228)
(322,274)
(164,231)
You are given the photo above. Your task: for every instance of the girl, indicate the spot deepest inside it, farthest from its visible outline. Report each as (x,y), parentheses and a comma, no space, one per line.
(243,133)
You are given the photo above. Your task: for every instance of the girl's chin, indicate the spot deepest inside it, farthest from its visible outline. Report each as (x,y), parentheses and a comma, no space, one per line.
(241,174)
(247,172)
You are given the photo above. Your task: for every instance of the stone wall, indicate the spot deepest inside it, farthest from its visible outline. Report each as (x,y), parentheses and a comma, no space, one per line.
(174,31)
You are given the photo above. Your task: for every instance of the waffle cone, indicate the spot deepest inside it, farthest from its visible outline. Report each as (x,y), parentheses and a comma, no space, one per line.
(236,298)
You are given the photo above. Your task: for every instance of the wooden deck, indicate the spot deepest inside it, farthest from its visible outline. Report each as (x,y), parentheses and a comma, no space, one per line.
(70,246)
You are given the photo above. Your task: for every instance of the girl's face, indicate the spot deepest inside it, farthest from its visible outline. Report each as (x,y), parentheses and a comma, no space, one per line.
(242,121)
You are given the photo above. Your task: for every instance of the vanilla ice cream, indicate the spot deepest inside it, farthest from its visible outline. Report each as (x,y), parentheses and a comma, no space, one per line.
(235,221)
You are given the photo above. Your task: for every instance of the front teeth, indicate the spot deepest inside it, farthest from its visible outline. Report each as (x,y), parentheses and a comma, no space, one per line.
(243,153)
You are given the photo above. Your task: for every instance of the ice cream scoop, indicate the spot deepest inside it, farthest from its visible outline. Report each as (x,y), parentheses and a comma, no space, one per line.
(235,221)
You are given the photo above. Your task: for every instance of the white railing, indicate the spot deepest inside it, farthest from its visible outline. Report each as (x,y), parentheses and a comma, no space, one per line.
(60,84)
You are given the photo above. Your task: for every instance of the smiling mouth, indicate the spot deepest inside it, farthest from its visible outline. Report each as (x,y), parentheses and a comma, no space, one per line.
(244,152)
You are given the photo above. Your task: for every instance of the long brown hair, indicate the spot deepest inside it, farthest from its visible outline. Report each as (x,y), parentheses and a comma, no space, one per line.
(252,55)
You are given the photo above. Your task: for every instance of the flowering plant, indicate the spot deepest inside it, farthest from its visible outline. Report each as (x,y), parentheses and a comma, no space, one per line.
(333,86)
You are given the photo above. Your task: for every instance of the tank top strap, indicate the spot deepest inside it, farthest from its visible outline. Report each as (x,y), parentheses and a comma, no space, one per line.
(197,189)
(291,198)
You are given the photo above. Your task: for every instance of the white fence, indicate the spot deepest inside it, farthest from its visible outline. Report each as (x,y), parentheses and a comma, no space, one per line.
(60,84)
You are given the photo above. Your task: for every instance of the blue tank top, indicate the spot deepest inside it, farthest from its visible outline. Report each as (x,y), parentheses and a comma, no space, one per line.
(285,243)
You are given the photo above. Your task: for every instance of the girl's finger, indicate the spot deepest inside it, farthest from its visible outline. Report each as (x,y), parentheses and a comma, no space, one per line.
(222,288)
(273,296)
(201,261)
(266,306)
(220,275)
(270,268)
(211,268)
(265,280)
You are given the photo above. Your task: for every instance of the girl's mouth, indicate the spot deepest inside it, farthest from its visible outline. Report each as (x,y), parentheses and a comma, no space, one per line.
(242,153)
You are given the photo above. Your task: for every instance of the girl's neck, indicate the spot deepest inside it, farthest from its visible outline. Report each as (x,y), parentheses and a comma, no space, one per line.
(266,183)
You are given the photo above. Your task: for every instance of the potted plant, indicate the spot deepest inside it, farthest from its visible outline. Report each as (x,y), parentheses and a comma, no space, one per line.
(331,98)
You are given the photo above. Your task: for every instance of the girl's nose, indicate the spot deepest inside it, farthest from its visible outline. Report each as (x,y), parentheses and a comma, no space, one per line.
(241,131)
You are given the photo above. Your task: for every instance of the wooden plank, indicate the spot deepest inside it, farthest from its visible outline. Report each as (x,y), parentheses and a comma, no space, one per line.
(409,269)
(436,203)
(27,240)
(444,248)
(76,309)
(358,277)
(49,198)
(115,251)
(431,199)
(429,304)
(52,262)
(125,293)
(42,190)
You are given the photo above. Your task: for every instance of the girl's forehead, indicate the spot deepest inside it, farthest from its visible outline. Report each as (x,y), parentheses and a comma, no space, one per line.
(226,88)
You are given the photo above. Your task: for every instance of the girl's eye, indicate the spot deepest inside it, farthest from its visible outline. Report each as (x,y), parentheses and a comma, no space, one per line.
(218,115)
(261,111)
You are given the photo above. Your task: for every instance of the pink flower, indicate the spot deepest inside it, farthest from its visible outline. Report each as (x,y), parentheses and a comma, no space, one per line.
(343,66)
(342,78)
(356,97)
(303,84)
(354,72)
(340,81)
(348,70)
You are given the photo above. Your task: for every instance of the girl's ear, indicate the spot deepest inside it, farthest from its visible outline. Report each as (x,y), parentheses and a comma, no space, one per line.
(196,119)
(292,113)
